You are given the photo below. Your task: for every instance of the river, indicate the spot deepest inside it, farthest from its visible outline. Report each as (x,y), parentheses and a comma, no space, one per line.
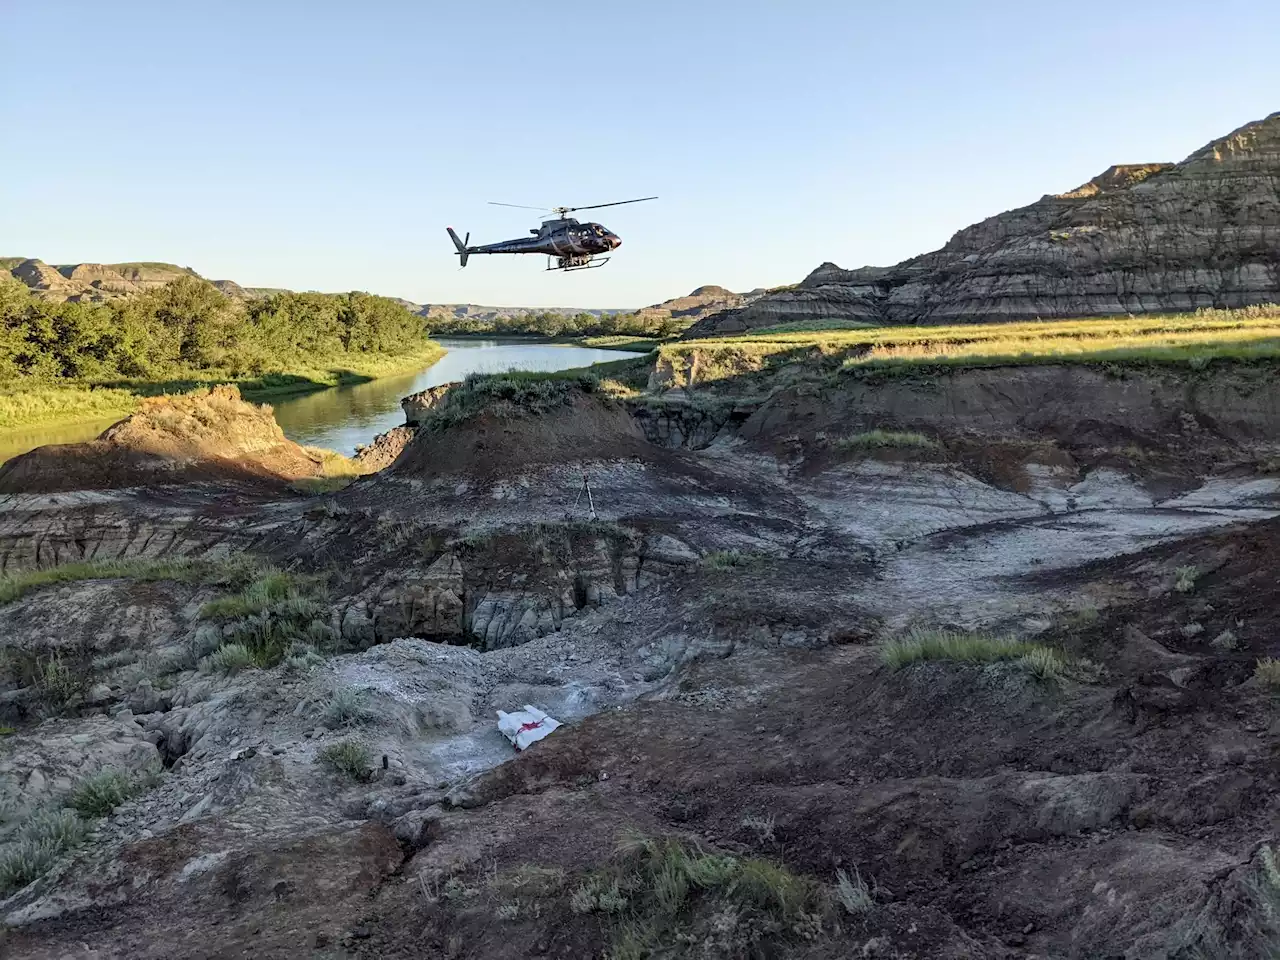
(342,418)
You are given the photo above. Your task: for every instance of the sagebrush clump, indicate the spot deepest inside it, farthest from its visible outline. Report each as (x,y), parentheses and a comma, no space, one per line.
(38,844)
(348,759)
(348,707)
(274,613)
(1267,672)
(99,794)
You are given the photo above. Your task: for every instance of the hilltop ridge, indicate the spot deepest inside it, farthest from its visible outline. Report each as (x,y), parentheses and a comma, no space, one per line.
(1137,238)
(98,282)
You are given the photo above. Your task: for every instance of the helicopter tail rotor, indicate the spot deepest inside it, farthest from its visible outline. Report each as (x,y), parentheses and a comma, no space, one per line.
(463,250)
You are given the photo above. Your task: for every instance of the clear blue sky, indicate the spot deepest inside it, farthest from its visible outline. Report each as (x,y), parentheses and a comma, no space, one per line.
(325,145)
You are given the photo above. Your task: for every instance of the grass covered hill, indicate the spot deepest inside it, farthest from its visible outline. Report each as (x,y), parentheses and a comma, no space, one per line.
(1190,340)
(74,360)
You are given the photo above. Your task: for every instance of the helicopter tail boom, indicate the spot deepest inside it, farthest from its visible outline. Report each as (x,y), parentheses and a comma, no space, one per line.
(463,250)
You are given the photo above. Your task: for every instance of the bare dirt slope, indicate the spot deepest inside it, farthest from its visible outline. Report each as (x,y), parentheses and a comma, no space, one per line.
(714,642)
(187,437)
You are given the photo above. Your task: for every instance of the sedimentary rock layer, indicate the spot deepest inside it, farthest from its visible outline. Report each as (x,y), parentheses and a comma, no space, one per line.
(1139,238)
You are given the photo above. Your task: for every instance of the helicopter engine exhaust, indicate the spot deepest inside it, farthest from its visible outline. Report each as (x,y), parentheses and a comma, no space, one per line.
(463,250)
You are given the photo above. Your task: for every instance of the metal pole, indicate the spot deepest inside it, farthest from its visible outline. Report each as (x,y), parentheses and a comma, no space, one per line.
(590,502)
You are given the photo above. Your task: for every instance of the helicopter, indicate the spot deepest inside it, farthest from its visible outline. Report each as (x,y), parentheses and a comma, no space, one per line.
(573,245)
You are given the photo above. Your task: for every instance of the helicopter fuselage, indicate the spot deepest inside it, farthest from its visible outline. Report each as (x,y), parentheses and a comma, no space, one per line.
(573,245)
(558,238)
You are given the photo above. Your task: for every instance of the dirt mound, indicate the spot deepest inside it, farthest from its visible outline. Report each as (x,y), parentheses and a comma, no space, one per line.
(1073,405)
(384,448)
(498,425)
(203,435)
(1227,604)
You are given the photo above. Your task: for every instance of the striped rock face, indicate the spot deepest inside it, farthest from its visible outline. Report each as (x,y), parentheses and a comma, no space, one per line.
(1138,238)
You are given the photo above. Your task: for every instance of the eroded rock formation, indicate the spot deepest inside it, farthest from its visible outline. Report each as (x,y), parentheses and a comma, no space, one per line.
(1138,238)
(206,435)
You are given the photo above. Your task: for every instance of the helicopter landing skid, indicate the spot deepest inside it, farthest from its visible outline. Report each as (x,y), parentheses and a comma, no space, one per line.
(577,263)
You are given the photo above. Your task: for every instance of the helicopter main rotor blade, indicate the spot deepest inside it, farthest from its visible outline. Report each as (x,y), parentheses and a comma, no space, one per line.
(616,203)
(519,206)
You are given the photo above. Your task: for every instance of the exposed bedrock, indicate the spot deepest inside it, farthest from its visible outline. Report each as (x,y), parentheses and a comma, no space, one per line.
(1138,238)
(1073,405)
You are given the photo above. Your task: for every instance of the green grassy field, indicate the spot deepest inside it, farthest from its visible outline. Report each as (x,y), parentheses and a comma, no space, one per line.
(47,405)
(1195,341)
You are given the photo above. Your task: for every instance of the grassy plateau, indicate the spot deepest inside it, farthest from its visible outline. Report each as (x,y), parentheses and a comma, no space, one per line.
(1193,341)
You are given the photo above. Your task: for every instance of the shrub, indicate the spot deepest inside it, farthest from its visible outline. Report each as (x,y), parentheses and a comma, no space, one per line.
(598,894)
(853,893)
(762,827)
(1043,663)
(99,794)
(271,615)
(267,587)
(228,659)
(348,707)
(662,885)
(348,759)
(886,439)
(727,560)
(1226,640)
(59,682)
(39,843)
(921,645)
(1267,673)
(301,659)
(1185,579)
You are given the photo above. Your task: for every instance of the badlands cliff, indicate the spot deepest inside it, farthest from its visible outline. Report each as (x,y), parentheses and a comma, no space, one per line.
(1138,238)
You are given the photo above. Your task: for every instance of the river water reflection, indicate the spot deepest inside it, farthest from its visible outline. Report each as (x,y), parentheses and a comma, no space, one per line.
(344,417)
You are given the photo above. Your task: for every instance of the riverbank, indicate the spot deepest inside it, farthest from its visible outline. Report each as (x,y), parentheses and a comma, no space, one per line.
(618,342)
(44,405)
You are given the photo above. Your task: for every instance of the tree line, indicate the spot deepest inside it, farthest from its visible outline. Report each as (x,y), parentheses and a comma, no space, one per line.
(561,325)
(188,328)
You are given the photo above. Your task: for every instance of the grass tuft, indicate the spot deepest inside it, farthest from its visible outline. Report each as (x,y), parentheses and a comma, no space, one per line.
(99,794)
(272,615)
(59,684)
(1226,640)
(885,440)
(184,569)
(1267,672)
(853,893)
(1043,663)
(228,660)
(348,707)
(663,886)
(1185,578)
(920,645)
(728,560)
(348,759)
(39,843)
(267,586)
